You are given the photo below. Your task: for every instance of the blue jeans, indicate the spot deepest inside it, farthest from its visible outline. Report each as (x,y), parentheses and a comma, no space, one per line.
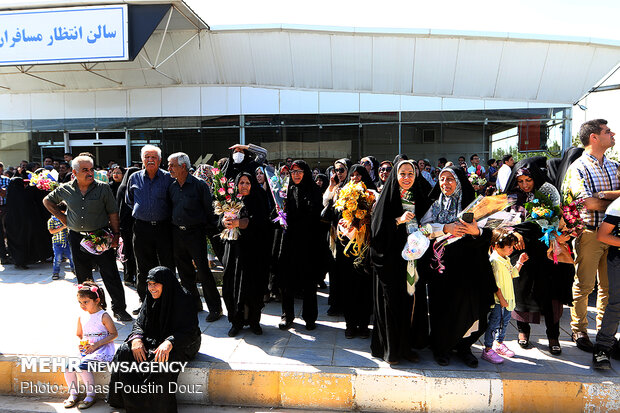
(606,336)
(498,321)
(59,253)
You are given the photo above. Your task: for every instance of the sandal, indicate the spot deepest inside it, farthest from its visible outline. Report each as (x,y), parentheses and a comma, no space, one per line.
(554,347)
(56,277)
(524,340)
(70,402)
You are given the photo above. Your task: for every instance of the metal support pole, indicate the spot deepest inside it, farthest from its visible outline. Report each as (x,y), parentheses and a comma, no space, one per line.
(127,148)
(400,131)
(242,129)
(65,137)
(567,136)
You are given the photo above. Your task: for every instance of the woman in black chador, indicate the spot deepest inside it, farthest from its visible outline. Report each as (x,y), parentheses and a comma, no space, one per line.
(542,286)
(392,305)
(246,259)
(166,330)
(300,254)
(461,284)
(356,277)
(27,236)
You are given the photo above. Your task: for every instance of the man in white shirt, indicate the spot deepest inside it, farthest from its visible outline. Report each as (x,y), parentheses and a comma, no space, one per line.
(504,172)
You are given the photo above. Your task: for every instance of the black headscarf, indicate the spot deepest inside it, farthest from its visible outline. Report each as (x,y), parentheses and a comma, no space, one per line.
(173,314)
(529,167)
(374,169)
(347,163)
(297,194)
(232,169)
(366,179)
(570,156)
(325,182)
(467,191)
(388,208)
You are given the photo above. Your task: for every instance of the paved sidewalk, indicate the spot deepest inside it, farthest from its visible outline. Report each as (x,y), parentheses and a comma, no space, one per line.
(39,318)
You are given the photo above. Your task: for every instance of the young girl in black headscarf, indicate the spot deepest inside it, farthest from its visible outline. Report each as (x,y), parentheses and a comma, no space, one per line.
(392,305)
(166,330)
(461,283)
(246,259)
(300,254)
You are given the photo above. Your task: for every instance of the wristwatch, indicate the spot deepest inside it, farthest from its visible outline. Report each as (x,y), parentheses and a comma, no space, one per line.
(601,195)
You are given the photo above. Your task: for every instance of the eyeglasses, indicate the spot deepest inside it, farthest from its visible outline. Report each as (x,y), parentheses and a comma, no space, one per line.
(340,170)
(296,172)
(385,169)
(364,163)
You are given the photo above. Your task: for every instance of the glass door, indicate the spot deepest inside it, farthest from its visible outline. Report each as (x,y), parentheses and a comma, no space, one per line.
(107,148)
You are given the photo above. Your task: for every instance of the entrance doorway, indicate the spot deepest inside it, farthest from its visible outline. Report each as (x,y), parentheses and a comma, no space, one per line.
(106,147)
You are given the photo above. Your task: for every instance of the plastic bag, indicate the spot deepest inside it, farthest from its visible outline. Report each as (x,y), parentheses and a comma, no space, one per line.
(416,246)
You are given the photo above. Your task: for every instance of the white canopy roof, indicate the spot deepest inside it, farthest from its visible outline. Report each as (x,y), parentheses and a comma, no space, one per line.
(404,62)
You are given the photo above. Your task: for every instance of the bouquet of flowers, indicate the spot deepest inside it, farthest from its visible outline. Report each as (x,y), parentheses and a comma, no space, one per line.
(572,207)
(96,242)
(474,179)
(278,187)
(227,201)
(542,211)
(355,202)
(45,180)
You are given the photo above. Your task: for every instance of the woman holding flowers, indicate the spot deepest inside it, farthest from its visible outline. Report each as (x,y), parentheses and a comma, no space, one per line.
(354,206)
(337,181)
(542,287)
(456,271)
(246,258)
(301,246)
(391,304)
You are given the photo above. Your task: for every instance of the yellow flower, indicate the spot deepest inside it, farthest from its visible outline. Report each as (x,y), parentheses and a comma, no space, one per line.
(360,213)
(347,215)
(351,205)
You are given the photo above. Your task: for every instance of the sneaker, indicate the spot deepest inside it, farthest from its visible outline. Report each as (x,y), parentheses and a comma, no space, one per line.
(491,356)
(600,359)
(503,350)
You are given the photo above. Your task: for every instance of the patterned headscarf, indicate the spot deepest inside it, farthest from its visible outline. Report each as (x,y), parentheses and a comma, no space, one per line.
(446,208)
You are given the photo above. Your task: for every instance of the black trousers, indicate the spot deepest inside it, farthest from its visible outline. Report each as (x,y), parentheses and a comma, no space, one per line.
(129,265)
(152,246)
(84,263)
(553,329)
(3,249)
(190,249)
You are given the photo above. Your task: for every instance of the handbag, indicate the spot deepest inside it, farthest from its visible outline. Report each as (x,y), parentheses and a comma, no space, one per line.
(327,214)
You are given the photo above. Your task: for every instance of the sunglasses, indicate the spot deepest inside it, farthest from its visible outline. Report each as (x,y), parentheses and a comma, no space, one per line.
(385,169)
(366,163)
(340,170)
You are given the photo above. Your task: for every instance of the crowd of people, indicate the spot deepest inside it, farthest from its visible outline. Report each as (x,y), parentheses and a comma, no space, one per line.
(287,239)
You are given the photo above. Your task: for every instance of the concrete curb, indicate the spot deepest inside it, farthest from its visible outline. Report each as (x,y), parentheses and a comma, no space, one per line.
(307,387)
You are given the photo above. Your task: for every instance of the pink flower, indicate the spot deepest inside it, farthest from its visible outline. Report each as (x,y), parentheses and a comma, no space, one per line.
(215,171)
(239,196)
(223,180)
(230,191)
(231,184)
(228,198)
(221,191)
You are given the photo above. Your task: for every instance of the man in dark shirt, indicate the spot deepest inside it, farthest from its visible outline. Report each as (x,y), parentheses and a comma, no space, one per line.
(90,207)
(192,219)
(147,196)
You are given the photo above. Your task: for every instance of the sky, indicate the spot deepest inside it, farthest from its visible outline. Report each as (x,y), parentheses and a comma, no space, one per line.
(556,17)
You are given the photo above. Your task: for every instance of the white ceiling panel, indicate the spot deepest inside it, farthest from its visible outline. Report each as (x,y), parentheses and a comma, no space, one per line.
(564,67)
(271,55)
(311,57)
(476,68)
(392,64)
(520,70)
(351,62)
(434,66)
(233,57)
